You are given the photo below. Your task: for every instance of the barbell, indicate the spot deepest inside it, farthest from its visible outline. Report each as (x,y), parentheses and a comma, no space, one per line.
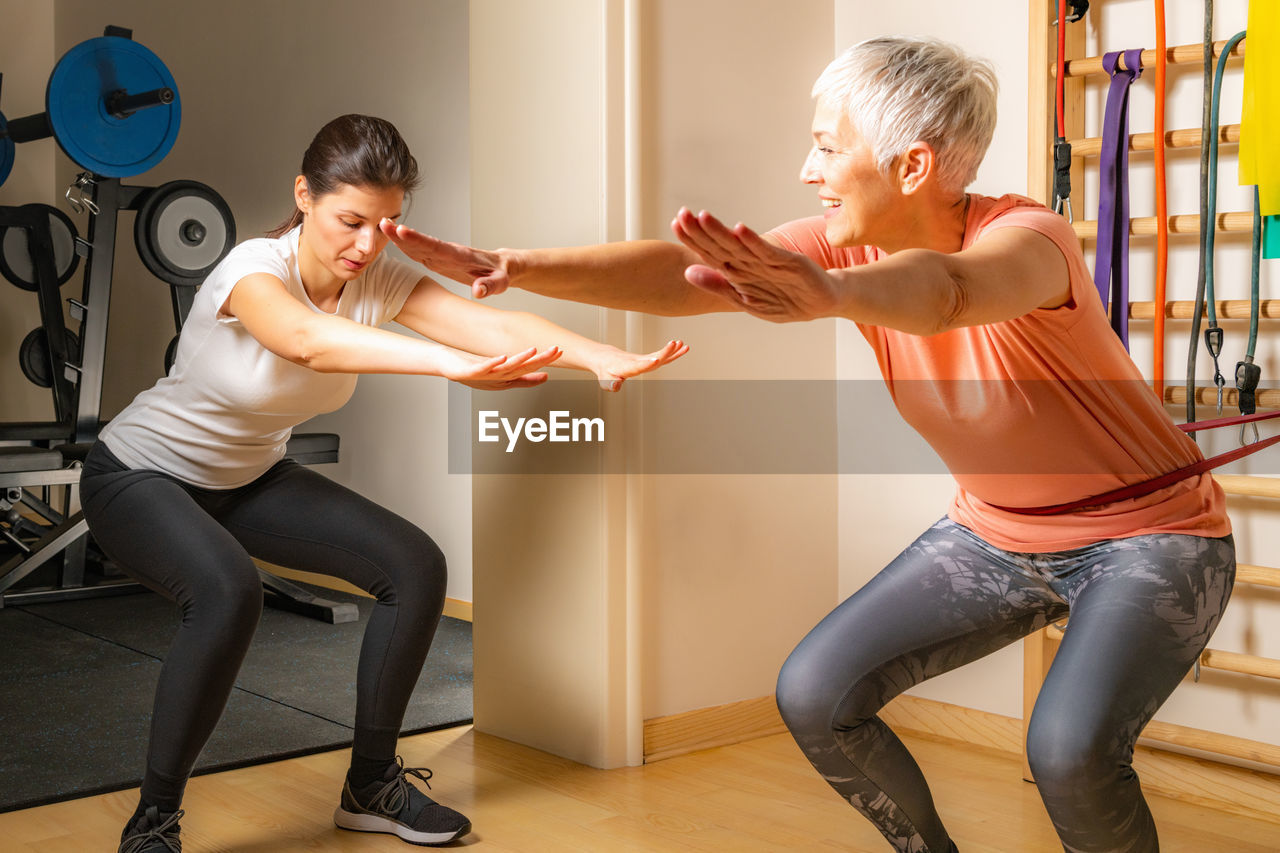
(110,103)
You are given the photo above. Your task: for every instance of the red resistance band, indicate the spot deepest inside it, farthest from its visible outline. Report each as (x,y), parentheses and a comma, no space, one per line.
(1146,487)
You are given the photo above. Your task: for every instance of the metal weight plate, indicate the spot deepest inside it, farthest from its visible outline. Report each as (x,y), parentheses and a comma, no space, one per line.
(16,263)
(33,355)
(90,135)
(182,230)
(6,152)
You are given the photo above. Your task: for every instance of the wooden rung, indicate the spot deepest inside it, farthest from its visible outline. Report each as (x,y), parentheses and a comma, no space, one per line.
(1228,309)
(1215,659)
(1091,146)
(1182,54)
(1207,395)
(1249,487)
(1183,223)
(1236,747)
(1236,662)
(1258,575)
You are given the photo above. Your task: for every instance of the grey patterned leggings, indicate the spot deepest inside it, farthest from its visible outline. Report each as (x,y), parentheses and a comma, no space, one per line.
(1141,608)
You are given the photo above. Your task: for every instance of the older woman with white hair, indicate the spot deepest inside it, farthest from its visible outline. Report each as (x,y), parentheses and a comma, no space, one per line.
(996,348)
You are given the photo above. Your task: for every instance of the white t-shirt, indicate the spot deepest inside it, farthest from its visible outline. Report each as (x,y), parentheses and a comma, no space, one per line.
(222,416)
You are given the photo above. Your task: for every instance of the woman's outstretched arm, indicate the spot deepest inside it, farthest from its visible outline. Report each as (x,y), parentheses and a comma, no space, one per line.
(640,275)
(330,344)
(434,312)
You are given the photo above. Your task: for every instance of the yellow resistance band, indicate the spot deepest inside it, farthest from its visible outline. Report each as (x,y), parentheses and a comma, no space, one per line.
(1260,112)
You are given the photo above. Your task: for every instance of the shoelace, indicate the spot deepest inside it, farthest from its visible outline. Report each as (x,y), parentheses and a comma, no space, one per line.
(392,798)
(173,844)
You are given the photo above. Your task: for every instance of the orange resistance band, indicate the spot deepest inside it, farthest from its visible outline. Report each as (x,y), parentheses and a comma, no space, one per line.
(1162,218)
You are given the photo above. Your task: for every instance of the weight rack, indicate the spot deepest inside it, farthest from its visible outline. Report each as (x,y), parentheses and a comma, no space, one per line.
(113,134)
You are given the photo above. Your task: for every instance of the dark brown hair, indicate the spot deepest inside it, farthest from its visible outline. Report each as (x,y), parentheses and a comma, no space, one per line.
(357,151)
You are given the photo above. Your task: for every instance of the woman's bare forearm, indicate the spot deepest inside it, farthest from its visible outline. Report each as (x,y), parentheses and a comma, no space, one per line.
(639,275)
(330,344)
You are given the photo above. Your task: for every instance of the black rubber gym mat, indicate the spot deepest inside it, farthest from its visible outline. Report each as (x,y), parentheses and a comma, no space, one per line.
(78,677)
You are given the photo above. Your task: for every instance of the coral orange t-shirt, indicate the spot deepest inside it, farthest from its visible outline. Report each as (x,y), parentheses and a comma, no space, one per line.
(1043,409)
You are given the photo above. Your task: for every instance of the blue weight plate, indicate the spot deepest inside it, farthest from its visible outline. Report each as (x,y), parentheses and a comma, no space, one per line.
(6,153)
(91,136)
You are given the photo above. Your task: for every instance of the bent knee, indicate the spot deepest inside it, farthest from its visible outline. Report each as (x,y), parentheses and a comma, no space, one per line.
(413,569)
(1062,755)
(227,599)
(810,700)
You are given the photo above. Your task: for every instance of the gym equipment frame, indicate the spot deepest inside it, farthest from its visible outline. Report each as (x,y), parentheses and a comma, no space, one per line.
(1039,648)
(113,108)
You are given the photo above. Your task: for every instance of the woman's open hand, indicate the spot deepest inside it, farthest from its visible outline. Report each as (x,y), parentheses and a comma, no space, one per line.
(615,365)
(763,279)
(484,271)
(522,370)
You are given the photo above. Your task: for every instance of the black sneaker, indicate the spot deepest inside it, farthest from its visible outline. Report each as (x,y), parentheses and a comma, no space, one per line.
(153,832)
(393,805)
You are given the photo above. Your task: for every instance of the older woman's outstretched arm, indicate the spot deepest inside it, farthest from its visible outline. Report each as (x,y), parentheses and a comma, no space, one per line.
(641,275)
(1004,275)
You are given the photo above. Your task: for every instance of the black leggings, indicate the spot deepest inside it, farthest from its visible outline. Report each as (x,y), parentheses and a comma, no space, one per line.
(193,546)
(1141,609)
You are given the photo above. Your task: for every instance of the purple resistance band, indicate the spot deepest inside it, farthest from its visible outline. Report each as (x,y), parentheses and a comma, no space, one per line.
(1111,264)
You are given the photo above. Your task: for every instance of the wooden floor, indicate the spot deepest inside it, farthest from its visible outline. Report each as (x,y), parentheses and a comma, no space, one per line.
(757,796)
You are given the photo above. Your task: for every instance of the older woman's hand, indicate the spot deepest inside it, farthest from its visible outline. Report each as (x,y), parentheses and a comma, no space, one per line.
(762,279)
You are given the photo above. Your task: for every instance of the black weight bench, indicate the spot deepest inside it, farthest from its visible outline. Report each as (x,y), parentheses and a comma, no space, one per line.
(26,468)
(312,448)
(22,469)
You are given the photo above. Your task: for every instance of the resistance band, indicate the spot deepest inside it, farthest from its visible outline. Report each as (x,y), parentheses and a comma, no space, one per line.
(1111,262)
(1146,487)
(1162,211)
(1206,116)
(1213,336)
(1247,373)
(1260,111)
(1061,147)
(1260,119)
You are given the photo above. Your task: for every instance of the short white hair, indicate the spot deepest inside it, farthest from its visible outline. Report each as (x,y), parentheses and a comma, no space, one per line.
(897,90)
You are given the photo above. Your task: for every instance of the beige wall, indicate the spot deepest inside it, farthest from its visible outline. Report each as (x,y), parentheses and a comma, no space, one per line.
(739,566)
(698,585)
(26,62)
(550,625)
